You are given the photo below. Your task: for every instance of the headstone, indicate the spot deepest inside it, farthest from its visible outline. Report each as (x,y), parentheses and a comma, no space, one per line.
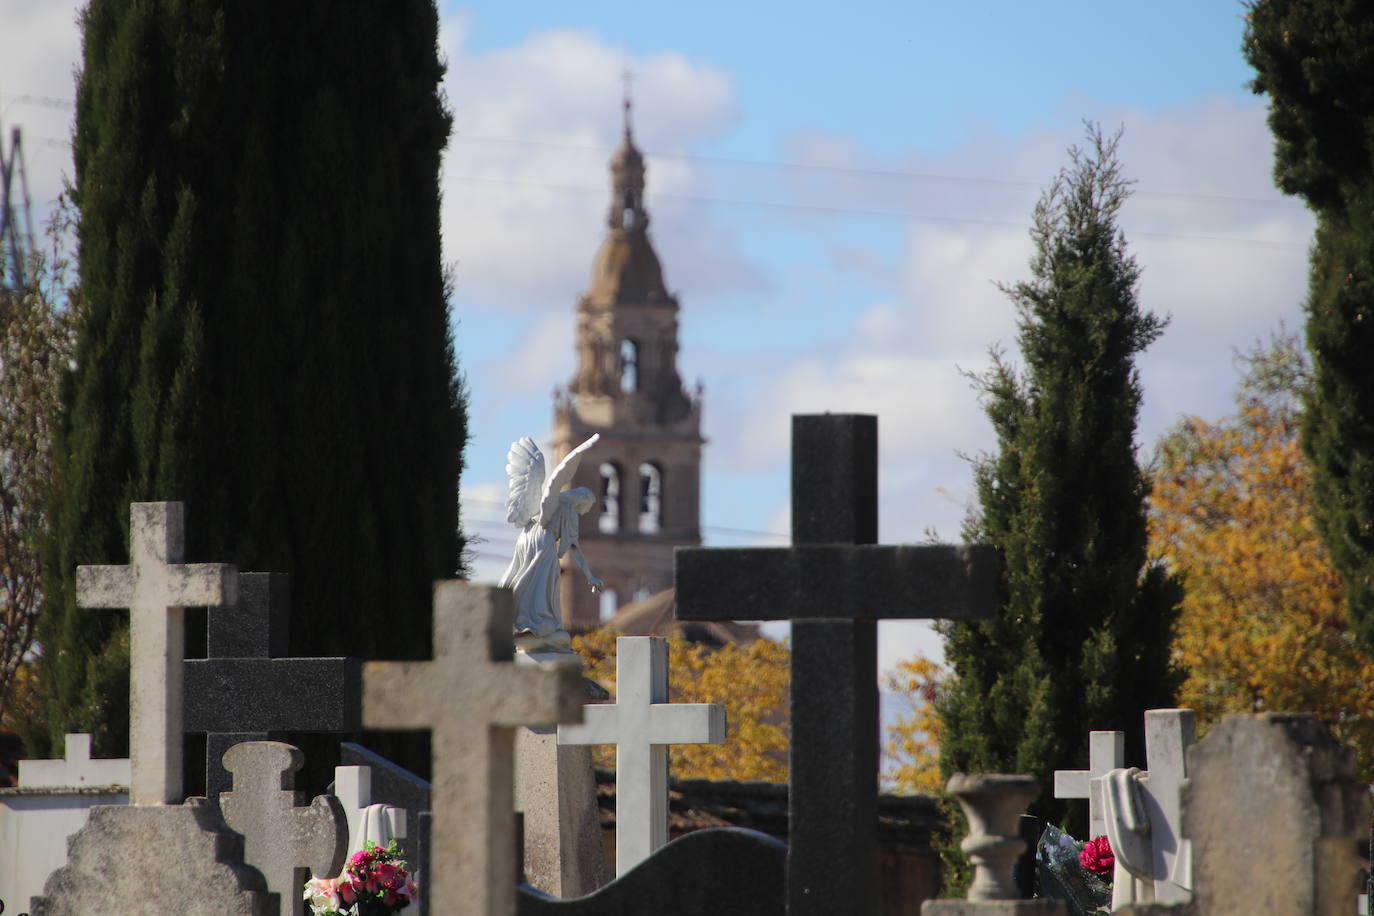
(166,860)
(1274,815)
(1106,752)
(715,872)
(244,690)
(471,697)
(398,787)
(156,587)
(642,724)
(367,820)
(834,584)
(284,839)
(993,804)
(50,804)
(555,791)
(1143,814)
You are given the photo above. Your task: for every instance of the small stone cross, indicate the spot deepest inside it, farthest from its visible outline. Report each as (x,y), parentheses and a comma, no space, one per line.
(641,724)
(282,838)
(471,697)
(245,691)
(76,769)
(156,587)
(834,584)
(1106,752)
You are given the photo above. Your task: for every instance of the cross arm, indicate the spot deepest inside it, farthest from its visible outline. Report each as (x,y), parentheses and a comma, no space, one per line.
(288,694)
(105,586)
(857,582)
(600,725)
(202,585)
(687,723)
(543,695)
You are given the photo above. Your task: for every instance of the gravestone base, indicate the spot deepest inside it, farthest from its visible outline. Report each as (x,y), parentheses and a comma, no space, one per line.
(157,861)
(993,908)
(556,790)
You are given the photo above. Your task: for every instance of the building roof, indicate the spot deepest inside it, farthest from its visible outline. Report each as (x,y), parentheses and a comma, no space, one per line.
(654,616)
(627,270)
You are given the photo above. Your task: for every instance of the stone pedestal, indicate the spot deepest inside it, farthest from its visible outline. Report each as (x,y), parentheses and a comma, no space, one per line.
(993,804)
(156,861)
(555,789)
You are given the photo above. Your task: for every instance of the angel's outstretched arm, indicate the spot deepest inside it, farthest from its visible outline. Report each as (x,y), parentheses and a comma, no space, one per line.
(580,560)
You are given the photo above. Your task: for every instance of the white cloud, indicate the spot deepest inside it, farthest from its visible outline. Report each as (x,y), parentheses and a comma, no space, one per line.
(526,180)
(1221,252)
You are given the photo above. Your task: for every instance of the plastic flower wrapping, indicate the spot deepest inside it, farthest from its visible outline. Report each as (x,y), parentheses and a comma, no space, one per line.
(374,883)
(1080,874)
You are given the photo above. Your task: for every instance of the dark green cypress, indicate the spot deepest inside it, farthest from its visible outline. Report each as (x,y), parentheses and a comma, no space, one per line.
(1081,639)
(266,334)
(1315,62)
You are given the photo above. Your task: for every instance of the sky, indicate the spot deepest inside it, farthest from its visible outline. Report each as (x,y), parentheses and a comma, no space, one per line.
(836,193)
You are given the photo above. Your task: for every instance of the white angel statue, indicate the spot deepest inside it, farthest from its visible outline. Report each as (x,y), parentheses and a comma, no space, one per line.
(547,519)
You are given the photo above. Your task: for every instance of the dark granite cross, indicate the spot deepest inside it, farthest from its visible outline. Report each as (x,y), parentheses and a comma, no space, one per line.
(834,584)
(244,691)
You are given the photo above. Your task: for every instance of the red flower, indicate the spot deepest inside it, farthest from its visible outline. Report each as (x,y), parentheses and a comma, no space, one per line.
(1097,856)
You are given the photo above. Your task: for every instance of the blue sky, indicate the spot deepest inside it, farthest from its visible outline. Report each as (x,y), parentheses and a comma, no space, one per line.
(835,192)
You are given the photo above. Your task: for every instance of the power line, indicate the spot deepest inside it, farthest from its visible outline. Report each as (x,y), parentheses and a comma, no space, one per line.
(895,174)
(45,101)
(855,211)
(719,529)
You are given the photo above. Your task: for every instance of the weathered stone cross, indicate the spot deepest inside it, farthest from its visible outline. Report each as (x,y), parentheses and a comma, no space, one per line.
(282,838)
(1106,752)
(156,587)
(641,724)
(245,691)
(471,697)
(834,584)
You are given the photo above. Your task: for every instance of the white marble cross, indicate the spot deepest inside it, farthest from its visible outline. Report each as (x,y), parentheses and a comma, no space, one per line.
(156,587)
(77,769)
(1144,812)
(1106,752)
(641,724)
(471,697)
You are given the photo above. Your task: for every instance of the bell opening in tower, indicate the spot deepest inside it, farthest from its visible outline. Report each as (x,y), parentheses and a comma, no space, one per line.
(629,366)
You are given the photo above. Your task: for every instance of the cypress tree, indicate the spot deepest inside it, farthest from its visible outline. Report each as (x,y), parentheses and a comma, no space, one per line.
(1081,638)
(266,334)
(1315,62)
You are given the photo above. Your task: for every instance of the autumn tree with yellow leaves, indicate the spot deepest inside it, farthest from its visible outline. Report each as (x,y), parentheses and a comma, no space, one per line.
(750,680)
(1264,622)
(912,745)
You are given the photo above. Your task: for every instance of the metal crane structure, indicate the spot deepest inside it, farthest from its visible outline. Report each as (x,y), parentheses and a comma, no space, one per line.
(16,221)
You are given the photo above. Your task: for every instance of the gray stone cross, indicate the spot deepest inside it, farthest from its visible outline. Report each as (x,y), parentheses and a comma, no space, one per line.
(244,690)
(282,838)
(1106,752)
(834,584)
(471,697)
(641,724)
(156,587)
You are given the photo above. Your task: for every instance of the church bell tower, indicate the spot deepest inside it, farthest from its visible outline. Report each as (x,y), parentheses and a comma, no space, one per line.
(647,466)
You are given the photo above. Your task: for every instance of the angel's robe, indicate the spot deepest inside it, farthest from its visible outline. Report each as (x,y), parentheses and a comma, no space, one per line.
(533,570)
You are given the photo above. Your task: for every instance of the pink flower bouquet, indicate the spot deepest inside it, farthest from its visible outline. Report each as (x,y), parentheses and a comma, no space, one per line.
(374,883)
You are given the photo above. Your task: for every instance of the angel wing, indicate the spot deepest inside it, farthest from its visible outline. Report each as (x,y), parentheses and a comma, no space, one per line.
(525,467)
(561,477)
